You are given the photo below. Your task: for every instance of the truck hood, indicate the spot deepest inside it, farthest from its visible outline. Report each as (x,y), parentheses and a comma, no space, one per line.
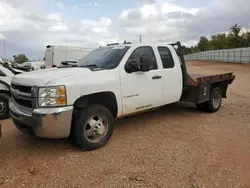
(42,77)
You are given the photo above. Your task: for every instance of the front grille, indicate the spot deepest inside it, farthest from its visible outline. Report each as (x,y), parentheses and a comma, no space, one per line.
(23,102)
(25,89)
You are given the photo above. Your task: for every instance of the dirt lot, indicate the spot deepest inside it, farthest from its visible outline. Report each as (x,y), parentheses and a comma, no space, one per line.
(175,146)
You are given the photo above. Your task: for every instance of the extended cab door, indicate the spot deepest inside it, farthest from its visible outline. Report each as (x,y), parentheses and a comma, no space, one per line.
(171,74)
(141,90)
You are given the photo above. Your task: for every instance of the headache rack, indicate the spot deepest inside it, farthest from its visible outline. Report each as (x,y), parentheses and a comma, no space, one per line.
(178,49)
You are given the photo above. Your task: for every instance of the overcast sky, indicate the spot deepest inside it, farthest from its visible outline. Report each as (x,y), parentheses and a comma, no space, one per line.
(28,26)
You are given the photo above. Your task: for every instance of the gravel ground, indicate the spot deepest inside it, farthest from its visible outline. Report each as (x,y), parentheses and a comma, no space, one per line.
(175,146)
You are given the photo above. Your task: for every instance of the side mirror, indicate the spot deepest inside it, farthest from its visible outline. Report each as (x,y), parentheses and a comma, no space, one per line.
(132,66)
(145,62)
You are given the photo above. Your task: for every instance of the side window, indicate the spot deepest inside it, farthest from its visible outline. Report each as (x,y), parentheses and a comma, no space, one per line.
(166,57)
(135,56)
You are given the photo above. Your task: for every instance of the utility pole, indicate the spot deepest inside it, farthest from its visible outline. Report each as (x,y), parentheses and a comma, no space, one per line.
(140,39)
(66,42)
(4,51)
(149,19)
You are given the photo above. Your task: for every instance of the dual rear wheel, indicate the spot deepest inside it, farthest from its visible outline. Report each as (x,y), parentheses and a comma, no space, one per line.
(214,104)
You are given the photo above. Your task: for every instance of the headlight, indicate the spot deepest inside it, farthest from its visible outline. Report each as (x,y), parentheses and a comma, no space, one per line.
(52,96)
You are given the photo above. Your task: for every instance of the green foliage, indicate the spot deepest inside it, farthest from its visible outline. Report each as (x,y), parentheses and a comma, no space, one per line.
(203,44)
(20,58)
(235,39)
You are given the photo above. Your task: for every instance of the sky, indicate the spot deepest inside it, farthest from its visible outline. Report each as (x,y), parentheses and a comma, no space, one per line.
(29,26)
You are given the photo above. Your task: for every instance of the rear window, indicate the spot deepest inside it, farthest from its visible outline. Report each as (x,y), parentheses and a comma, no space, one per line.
(166,57)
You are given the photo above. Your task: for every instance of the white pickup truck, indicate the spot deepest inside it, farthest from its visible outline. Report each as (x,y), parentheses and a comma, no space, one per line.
(6,74)
(81,101)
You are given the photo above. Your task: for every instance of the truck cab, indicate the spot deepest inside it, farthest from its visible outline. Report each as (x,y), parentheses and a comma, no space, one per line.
(82,100)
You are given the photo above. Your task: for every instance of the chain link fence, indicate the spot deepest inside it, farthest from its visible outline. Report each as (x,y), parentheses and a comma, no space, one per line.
(238,55)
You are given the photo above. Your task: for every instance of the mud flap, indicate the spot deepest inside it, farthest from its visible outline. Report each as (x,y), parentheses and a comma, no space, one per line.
(204,93)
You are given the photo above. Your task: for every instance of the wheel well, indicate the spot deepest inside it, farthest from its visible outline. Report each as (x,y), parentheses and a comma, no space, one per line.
(106,99)
(223,86)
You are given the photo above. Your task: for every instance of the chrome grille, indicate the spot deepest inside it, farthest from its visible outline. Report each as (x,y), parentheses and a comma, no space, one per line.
(25,96)
(25,89)
(22,102)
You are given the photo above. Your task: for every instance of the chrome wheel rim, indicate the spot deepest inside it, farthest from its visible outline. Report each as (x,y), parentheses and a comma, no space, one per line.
(95,129)
(216,99)
(2,107)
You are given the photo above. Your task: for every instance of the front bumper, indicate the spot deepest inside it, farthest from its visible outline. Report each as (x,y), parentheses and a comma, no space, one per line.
(43,122)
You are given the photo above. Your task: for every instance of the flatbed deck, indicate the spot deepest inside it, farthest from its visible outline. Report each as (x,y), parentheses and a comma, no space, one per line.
(195,79)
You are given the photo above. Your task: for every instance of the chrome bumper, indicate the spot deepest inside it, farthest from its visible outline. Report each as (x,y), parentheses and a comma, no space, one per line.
(44,122)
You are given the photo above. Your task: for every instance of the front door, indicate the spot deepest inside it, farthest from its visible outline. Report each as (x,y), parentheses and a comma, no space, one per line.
(172,74)
(141,90)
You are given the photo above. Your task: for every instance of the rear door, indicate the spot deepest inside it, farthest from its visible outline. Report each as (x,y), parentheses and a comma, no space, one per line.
(141,90)
(171,74)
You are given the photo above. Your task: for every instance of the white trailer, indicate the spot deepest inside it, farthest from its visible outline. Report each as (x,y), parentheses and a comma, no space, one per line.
(54,55)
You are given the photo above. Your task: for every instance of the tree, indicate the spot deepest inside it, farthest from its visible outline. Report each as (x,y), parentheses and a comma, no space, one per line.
(219,41)
(203,44)
(186,50)
(236,29)
(234,36)
(246,39)
(20,58)
(235,39)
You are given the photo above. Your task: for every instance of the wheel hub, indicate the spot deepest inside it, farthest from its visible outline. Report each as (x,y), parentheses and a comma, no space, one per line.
(216,99)
(99,129)
(95,129)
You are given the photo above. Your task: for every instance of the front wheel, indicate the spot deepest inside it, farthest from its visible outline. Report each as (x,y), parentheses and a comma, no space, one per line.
(214,103)
(93,127)
(4,106)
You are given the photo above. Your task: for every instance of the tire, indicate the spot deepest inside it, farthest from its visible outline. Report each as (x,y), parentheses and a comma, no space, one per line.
(214,103)
(4,106)
(92,127)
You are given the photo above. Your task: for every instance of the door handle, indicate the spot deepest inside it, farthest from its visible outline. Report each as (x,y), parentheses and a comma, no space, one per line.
(156,77)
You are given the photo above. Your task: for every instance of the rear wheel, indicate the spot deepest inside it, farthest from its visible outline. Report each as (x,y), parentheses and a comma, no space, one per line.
(214,103)
(4,106)
(93,127)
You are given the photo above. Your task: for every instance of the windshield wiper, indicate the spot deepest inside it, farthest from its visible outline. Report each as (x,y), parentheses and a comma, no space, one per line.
(69,64)
(92,67)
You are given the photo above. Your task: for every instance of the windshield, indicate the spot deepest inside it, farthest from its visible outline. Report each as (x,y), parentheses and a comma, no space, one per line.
(104,58)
